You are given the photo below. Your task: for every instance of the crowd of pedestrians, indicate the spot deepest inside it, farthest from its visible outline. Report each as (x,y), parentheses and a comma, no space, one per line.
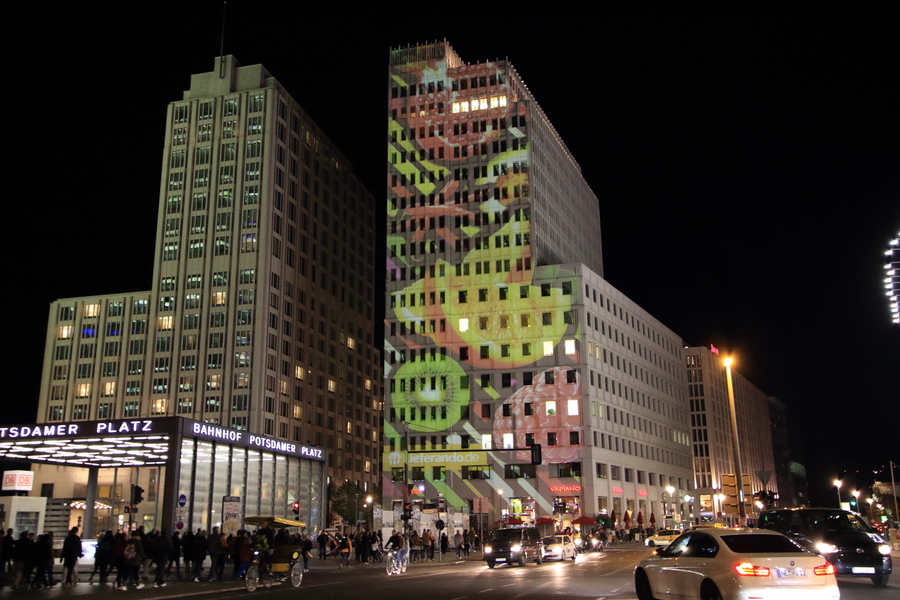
(135,559)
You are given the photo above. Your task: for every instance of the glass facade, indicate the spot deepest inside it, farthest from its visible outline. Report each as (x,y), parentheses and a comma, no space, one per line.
(267,483)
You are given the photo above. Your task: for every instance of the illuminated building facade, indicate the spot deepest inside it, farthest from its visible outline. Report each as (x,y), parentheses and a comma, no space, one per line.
(260,315)
(711,429)
(500,332)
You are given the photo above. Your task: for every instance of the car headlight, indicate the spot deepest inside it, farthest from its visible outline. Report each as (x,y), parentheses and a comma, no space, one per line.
(516,548)
(825,548)
(488,549)
(884,549)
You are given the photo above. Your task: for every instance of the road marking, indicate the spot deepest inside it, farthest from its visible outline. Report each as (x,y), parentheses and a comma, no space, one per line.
(509,584)
(487,590)
(460,598)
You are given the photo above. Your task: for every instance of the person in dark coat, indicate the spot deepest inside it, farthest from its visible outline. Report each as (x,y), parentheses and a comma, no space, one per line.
(20,556)
(175,555)
(42,556)
(323,540)
(71,552)
(187,552)
(162,549)
(134,556)
(103,557)
(201,545)
(6,552)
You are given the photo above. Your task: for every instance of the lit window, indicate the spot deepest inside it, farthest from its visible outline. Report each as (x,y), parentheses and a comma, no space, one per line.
(332,385)
(548,348)
(486,441)
(351,343)
(158,406)
(551,407)
(463,326)
(298,372)
(91,310)
(165,323)
(213,382)
(65,332)
(570,347)
(108,389)
(572,408)
(83,390)
(508,441)
(220,298)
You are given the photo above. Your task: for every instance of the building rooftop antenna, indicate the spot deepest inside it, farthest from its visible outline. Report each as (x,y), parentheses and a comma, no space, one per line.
(222,42)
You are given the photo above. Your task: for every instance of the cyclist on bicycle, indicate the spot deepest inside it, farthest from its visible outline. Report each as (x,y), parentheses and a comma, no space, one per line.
(260,545)
(398,542)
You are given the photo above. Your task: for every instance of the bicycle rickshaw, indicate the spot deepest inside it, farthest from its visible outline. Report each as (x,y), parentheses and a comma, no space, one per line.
(284,562)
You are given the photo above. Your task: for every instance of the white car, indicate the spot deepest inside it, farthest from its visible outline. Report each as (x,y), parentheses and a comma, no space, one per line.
(663,537)
(734,564)
(559,547)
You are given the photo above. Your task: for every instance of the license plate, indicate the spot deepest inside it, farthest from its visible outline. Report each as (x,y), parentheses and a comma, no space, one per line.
(864,570)
(798,572)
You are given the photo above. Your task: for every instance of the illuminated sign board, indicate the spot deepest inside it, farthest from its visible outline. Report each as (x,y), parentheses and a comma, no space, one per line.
(18,481)
(617,490)
(642,493)
(159,426)
(713,349)
(437,459)
(565,488)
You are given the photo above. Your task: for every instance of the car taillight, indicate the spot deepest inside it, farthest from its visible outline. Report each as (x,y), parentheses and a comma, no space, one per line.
(826,569)
(751,569)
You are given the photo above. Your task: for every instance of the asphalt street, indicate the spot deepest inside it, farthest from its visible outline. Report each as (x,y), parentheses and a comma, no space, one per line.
(594,576)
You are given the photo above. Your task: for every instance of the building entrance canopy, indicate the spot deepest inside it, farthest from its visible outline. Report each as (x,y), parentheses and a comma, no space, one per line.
(128,442)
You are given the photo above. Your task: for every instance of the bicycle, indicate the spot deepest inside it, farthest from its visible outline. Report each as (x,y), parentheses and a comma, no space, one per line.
(395,563)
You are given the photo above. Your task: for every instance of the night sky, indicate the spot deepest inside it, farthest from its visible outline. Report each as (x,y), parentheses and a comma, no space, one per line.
(747,166)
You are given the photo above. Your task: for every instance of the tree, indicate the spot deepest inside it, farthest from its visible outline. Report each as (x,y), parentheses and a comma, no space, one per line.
(348,501)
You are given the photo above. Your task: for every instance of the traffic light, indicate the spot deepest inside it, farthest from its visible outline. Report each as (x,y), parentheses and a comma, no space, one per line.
(137,494)
(407,511)
(853,504)
(536,454)
(296,507)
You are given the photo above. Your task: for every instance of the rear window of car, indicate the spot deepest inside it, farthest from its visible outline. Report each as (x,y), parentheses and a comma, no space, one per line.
(747,544)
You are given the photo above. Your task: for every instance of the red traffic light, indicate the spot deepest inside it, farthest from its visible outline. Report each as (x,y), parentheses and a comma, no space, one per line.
(296,507)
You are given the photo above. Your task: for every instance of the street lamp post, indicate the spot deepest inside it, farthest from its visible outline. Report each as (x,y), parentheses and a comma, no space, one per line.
(671,490)
(837,484)
(735,447)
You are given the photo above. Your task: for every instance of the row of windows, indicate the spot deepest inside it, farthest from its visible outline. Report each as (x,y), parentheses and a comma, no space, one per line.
(617,473)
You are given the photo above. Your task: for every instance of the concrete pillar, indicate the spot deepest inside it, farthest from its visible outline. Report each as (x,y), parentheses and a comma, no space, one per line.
(87,530)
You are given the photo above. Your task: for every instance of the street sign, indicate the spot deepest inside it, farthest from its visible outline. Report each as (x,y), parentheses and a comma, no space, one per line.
(182,500)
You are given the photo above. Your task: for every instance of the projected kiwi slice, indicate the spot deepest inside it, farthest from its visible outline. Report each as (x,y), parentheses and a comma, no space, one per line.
(430,393)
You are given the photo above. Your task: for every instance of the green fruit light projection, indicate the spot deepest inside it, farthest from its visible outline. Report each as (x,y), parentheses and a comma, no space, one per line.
(430,393)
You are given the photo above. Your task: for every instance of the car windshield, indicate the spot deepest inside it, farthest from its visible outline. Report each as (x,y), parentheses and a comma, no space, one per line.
(752,543)
(507,535)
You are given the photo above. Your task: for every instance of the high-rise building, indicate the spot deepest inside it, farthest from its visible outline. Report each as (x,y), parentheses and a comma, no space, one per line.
(260,315)
(500,332)
(787,452)
(711,431)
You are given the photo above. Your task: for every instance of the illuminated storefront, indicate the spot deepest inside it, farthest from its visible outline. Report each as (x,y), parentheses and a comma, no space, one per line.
(185,468)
